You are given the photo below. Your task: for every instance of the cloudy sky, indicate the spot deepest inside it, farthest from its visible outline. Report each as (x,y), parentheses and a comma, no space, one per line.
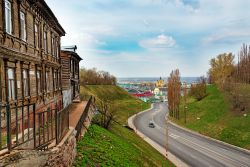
(149,38)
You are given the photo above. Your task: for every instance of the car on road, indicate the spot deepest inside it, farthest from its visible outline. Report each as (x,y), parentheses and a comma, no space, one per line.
(151,124)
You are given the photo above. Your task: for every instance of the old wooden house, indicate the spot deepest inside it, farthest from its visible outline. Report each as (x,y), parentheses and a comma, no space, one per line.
(30,67)
(70,74)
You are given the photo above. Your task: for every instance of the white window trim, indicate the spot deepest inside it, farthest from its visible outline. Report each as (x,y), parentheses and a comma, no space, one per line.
(39,82)
(25,83)
(23,29)
(45,41)
(8,17)
(36,37)
(11,85)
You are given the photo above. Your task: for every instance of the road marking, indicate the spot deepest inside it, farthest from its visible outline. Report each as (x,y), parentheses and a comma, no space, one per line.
(174,136)
(204,149)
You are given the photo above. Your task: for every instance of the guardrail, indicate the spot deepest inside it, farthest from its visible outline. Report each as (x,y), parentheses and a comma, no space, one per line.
(83,117)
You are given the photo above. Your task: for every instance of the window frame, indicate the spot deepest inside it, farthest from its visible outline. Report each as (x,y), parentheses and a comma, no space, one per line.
(8,18)
(52,45)
(45,41)
(39,83)
(25,82)
(23,31)
(36,35)
(47,81)
(11,84)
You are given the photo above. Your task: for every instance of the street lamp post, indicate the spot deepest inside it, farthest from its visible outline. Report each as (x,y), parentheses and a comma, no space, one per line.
(185,110)
(167,136)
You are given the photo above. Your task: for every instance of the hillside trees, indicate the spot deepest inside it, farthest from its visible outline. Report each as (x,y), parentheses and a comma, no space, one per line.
(174,93)
(233,79)
(222,68)
(243,67)
(94,77)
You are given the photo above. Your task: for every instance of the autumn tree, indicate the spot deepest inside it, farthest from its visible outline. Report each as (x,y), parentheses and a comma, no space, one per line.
(174,93)
(221,70)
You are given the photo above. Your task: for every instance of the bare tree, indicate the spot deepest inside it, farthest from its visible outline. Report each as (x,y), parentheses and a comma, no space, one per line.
(174,93)
(107,112)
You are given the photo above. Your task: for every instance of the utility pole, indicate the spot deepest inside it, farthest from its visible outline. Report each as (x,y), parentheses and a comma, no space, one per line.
(185,114)
(166,136)
(185,101)
(166,118)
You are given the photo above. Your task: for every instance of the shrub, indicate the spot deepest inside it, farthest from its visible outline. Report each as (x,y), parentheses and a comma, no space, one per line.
(199,90)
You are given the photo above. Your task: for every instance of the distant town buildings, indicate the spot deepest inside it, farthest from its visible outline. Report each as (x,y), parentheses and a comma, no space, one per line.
(160,83)
(151,91)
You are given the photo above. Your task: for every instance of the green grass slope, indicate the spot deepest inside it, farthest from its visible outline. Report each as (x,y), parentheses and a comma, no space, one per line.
(215,119)
(119,146)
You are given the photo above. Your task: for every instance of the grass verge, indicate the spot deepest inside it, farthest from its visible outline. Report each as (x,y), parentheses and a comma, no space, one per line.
(212,116)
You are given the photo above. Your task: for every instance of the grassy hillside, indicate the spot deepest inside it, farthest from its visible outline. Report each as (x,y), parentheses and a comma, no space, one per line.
(212,117)
(119,146)
(99,146)
(128,105)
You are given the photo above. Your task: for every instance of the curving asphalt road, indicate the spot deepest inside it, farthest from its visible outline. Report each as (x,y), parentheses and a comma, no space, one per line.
(194,150)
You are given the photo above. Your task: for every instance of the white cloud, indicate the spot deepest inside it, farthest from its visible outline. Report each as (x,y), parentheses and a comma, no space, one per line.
(215,27)
(159,42)
(84,40)
(228,36)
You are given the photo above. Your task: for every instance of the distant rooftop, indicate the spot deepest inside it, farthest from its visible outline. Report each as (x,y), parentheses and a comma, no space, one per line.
(71,48)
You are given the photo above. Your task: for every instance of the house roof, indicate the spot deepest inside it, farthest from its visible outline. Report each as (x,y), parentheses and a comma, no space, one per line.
(47,12)
(71,50)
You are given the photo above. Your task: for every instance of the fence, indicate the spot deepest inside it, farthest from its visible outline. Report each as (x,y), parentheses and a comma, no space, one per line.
(84,115)
(52,124)
(22,127)
(16,125)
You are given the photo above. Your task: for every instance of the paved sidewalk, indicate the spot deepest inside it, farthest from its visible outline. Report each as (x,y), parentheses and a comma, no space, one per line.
(76,110)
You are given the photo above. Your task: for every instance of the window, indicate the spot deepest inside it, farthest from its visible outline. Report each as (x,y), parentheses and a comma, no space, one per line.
(23,26)
(25,83)
(52,46)
(55,80)
(11,84)
(56,48)
(58,79)
(39,82)
(47,81)
(36,36)
(8,22)
(71,66)
(45,42)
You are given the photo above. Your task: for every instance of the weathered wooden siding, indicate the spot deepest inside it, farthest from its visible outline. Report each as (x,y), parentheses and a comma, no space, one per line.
(22,54)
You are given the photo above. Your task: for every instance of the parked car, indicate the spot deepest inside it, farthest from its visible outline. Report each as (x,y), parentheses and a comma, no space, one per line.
(151,124)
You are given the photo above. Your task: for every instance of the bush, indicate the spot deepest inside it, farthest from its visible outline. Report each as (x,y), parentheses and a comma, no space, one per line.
(199,90)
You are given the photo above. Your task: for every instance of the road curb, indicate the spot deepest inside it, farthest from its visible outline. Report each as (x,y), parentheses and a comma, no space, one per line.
(176,161)
(209,138)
